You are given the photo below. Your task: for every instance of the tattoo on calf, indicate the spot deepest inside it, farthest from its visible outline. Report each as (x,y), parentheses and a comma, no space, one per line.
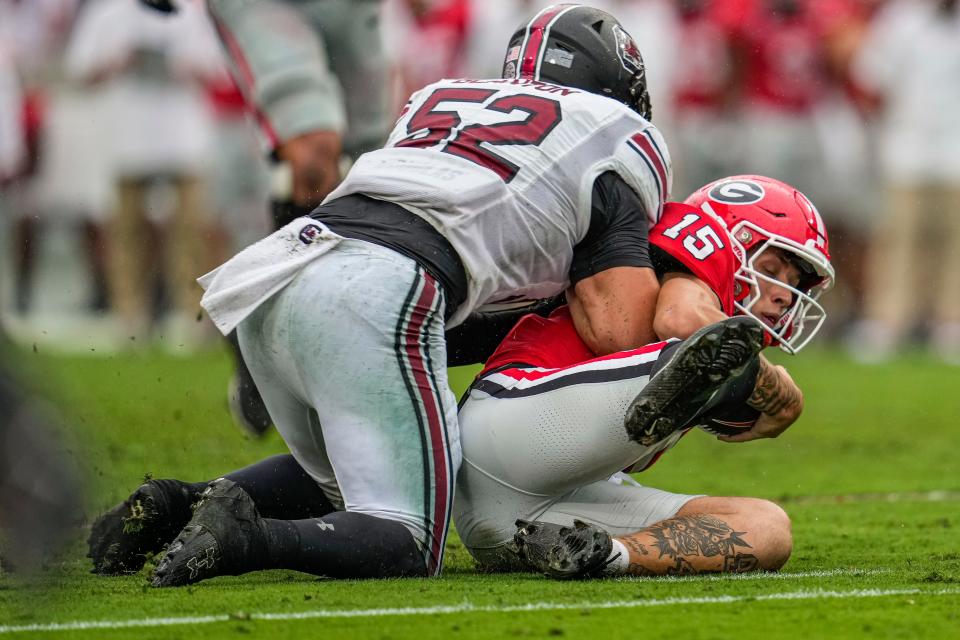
(771,394)
(635,546)
(681,537)
(741,563)
(635,569)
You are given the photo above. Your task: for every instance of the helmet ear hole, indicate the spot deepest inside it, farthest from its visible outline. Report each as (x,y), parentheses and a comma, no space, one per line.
(598,26)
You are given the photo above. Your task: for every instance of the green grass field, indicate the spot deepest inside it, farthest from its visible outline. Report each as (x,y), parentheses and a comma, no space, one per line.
(870,476)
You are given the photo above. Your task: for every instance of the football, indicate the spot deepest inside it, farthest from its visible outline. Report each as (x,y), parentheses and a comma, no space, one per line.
(728,421)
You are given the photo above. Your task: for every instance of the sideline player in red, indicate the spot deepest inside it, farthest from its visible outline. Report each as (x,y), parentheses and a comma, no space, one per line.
(488,192)
(543,427)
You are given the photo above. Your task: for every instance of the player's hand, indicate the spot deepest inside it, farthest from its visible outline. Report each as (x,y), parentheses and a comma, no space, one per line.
(163,6)
(779,400)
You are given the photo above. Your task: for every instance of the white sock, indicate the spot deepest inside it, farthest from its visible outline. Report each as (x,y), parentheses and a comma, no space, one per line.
(619,559)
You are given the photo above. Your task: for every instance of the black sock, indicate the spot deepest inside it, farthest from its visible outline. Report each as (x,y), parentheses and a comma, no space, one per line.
(278,486)
(282,489)
(179,495)
(344,544)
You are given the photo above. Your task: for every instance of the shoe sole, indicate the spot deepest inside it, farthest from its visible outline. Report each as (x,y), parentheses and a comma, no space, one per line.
(710,357)
(567,564)
(561,560)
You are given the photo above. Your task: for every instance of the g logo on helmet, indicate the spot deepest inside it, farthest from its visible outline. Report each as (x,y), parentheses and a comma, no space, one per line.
(737,192)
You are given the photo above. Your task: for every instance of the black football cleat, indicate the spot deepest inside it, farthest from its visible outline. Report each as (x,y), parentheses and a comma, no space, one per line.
(222,538)
(121,539)
(565,553)
(246,404)
(698,367)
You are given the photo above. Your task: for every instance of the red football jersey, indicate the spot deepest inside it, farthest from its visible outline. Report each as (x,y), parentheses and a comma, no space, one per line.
(699,241)
(550,343)
(694,238)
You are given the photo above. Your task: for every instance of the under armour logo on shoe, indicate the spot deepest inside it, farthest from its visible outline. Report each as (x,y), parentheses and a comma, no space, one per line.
(325,526)
(205,562)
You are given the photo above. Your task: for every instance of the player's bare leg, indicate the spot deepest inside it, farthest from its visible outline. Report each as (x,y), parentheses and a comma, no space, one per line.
(712,535)
(707,535)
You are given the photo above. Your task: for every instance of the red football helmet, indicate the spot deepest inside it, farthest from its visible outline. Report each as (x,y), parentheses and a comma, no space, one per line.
(762,213)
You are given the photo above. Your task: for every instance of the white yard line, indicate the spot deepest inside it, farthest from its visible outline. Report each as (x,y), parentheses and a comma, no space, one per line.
(937,495)
(821,573)
(82,625)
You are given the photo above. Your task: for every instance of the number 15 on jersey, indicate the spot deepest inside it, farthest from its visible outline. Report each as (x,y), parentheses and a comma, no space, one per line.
(701,243)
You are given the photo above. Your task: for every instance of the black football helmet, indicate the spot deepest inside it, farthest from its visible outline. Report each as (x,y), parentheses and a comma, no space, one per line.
(578,46)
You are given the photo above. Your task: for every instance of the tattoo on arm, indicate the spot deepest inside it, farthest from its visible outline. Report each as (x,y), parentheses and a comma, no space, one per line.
(772,394)
(682,537)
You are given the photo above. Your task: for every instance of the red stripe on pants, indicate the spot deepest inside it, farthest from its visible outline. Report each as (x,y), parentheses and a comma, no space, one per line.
(435,421)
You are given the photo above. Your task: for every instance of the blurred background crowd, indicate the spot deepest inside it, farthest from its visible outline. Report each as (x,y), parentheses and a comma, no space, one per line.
(130,162)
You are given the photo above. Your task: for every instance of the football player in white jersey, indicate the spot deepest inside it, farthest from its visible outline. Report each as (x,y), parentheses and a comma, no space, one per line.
(543,427)
(487,193)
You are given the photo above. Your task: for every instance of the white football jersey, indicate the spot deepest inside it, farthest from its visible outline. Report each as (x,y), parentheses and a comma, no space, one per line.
(504,169)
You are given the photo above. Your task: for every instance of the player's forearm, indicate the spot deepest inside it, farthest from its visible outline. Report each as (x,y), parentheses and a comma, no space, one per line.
(685,304)
(775,394)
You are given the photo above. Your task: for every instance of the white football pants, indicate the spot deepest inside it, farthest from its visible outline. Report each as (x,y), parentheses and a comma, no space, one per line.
(549,445)
(350,360)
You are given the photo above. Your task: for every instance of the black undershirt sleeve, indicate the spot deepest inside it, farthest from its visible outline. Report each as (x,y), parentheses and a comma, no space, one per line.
(618,233)
(480,334)
(664,263)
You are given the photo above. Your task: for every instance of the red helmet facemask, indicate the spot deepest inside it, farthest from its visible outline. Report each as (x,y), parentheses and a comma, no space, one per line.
(763,214)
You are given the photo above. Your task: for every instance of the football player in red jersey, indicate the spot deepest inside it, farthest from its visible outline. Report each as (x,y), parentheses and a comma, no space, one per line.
(543,426)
